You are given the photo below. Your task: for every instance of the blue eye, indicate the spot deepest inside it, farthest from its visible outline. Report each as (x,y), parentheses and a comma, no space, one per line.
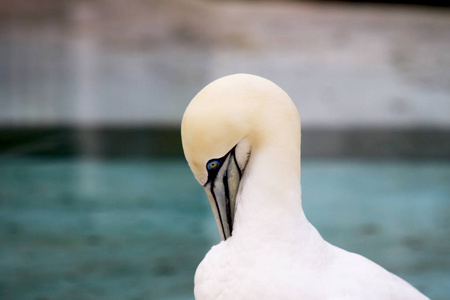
(212,165)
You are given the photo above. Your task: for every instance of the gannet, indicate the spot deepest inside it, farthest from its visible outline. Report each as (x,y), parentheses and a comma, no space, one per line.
(241,138)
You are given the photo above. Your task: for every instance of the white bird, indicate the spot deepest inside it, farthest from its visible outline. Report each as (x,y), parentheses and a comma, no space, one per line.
(241,138)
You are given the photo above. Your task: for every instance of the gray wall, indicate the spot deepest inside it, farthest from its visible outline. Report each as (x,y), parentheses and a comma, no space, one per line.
(110,64)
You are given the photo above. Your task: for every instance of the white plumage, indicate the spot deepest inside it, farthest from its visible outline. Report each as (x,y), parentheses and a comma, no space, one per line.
(243,131)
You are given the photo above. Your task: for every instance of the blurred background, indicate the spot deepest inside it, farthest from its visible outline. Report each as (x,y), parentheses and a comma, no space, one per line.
(96,199)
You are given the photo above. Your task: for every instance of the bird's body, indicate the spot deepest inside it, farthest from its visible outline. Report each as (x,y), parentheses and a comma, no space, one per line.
(312,270)
(245,129)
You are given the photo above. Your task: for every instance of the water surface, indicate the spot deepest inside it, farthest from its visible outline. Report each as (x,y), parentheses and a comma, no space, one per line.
(124,229)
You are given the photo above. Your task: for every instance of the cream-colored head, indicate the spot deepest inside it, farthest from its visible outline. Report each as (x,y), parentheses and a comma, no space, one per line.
(231,109)
(229,121)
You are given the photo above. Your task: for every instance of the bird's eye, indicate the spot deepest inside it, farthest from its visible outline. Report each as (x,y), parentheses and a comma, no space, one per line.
(212,165)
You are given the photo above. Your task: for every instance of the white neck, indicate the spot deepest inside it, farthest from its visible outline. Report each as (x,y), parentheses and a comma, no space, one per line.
(269,201)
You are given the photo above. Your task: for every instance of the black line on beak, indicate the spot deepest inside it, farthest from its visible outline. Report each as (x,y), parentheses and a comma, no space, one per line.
(217,206)
(235,161)
(227,200)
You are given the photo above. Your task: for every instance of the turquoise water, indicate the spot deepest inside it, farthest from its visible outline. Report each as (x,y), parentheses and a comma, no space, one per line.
(122,229)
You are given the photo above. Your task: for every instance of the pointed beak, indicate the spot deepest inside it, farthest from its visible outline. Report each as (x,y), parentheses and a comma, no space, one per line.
(221,191)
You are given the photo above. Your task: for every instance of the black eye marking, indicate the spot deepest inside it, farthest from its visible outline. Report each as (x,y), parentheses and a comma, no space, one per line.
(213,164)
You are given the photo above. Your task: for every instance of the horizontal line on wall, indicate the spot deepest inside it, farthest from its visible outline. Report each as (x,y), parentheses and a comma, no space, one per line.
(139,142)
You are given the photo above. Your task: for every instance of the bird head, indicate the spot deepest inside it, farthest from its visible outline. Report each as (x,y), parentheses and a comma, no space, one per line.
(220,128)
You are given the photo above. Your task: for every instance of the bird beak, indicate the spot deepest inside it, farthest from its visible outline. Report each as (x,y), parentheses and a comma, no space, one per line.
(221,191)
